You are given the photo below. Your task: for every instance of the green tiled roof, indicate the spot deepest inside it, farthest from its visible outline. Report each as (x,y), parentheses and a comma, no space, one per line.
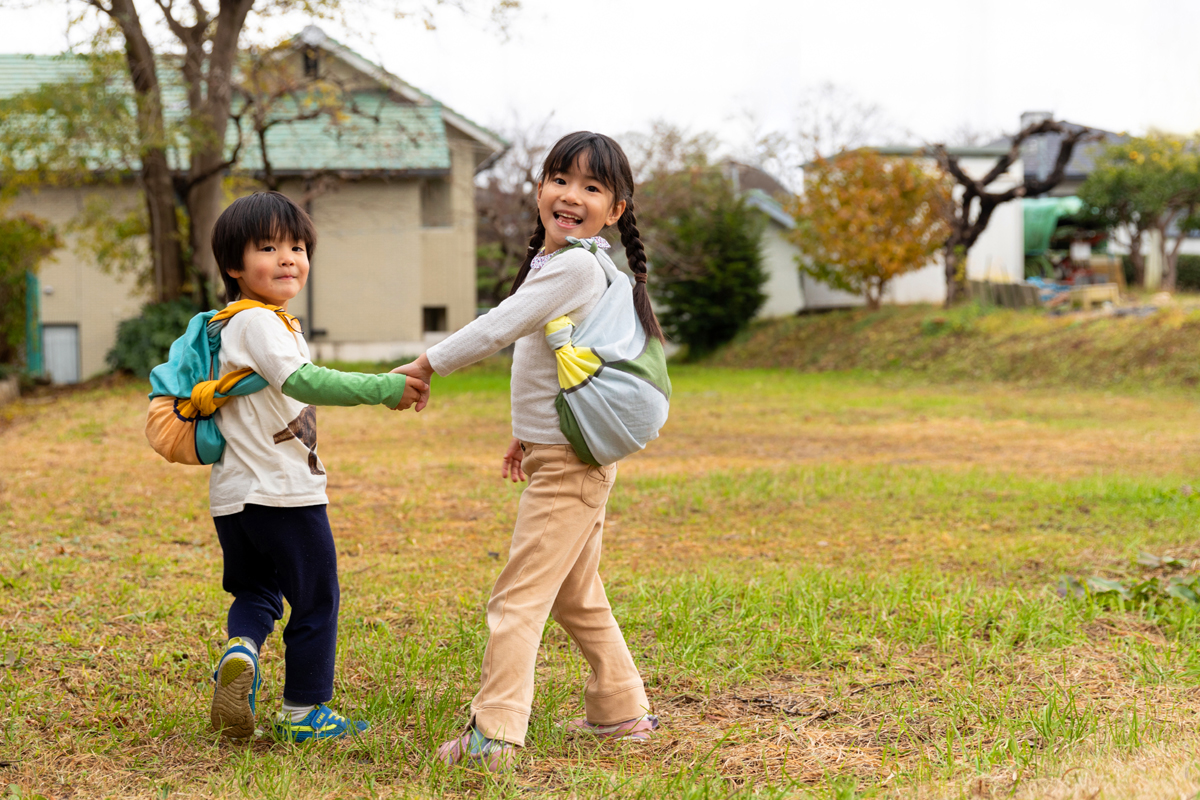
(387,135)
(393,137)
(23,73)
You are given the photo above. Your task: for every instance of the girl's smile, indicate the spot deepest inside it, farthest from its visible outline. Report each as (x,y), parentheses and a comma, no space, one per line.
(574,203)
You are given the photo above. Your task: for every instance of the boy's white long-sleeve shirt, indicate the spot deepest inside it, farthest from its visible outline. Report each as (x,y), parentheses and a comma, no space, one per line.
(570,284)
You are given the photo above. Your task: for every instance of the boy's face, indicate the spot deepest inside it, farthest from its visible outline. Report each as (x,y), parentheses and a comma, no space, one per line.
(273,272)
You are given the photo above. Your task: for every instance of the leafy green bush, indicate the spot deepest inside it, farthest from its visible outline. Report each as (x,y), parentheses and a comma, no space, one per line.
(143,342)
(705,260)
(24,241)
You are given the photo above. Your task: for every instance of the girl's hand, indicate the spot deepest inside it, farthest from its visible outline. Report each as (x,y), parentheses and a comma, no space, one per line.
(422,370)
(512,461)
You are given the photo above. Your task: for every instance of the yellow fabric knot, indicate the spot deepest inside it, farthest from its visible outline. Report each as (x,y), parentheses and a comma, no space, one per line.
(576,365)
(204,401)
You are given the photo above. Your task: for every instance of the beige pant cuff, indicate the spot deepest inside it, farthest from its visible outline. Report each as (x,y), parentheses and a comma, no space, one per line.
(617,707)
(501,723)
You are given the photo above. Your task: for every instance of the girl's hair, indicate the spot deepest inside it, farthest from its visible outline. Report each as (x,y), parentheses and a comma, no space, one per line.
(255,218)
(606,160)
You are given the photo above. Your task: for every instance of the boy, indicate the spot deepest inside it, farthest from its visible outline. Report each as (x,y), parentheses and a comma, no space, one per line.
(267,493)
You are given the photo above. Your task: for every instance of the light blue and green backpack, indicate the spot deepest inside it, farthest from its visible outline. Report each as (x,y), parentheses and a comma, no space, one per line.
(614,392)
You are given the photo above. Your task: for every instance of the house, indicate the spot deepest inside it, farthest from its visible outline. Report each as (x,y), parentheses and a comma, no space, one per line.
(395,265)
(999,251)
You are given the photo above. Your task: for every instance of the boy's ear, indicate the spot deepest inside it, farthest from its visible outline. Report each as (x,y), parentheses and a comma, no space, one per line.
(617,210)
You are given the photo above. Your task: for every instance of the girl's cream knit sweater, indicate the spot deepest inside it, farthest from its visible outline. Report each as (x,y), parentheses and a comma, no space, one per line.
(571,284)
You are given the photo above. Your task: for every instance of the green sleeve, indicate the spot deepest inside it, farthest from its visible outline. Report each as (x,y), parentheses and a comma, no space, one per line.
(319,386)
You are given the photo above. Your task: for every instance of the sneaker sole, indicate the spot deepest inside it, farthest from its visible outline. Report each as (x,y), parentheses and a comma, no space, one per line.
(231,715)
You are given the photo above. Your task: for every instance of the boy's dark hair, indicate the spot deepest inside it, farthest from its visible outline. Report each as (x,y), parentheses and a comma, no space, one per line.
(608,163)
(258,217)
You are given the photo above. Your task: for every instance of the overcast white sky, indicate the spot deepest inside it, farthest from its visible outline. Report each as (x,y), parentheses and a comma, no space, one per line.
(932,65)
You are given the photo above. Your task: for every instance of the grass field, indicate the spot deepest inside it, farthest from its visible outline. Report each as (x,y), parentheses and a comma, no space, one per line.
(836,585)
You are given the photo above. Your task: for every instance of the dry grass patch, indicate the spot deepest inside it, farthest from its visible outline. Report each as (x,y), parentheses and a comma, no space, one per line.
(834,586)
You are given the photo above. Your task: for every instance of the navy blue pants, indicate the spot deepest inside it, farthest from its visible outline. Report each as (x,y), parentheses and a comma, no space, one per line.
(273,554)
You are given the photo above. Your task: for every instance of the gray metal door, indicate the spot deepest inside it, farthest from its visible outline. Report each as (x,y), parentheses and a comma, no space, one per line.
(61,351)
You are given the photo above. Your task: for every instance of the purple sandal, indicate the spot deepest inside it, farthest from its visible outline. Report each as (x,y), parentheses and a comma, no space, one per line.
(638,729)
(473,749)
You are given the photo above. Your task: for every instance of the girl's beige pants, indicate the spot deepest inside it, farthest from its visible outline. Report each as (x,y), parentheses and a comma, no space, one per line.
(552,570)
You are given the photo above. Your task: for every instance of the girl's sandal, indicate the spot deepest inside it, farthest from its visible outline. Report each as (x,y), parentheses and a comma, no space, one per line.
(473,749)
(638,729)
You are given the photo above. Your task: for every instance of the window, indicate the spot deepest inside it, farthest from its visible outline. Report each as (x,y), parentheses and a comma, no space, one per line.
(312,63)
(435,203)
(435,319)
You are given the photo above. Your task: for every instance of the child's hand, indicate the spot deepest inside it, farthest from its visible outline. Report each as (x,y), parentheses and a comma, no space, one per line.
(414,390)
(512,461)
(422,370)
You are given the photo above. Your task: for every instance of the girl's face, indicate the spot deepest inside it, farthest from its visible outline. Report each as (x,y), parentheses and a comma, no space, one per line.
(574,203)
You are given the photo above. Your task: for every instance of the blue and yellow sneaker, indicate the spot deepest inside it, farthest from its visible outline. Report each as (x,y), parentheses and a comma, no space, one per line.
(237,680)
(320,723)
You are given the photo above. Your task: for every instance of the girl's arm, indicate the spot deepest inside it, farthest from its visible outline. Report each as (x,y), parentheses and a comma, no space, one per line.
(565,283)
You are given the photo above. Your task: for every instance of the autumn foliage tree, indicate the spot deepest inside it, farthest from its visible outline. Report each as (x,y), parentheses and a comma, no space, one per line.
(865,219)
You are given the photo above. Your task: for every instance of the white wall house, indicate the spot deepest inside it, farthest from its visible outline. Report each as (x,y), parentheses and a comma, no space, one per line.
(394,269)
(999,254)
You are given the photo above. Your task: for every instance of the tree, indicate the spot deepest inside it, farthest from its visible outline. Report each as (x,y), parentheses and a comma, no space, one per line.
(507,209)
(1145,184)
(703,244)
(828,119)
(972,207)
(24,242)
(865,219)
(205,47)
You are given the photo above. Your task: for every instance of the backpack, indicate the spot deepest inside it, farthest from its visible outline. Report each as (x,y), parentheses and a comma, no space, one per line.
(614,392)
(185,393)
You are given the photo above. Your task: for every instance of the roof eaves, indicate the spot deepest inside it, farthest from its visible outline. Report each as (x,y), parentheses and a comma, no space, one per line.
(763,202)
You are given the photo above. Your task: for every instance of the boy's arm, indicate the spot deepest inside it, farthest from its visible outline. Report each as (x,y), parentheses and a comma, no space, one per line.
(319,386)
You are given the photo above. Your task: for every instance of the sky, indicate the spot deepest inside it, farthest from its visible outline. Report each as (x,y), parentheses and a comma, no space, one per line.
(932,66)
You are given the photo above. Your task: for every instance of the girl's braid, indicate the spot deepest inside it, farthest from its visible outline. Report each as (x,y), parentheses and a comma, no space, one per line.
(535,244)
(635,254)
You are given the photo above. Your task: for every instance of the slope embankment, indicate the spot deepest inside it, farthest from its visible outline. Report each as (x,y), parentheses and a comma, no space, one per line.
(1154,348)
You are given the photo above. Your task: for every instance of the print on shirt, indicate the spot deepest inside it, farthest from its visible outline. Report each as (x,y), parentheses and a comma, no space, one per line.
(304,428)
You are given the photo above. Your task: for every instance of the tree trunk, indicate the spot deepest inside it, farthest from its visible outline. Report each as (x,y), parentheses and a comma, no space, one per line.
(208,162)
(1137,258)
(164,226)
(157,186)
(956,284)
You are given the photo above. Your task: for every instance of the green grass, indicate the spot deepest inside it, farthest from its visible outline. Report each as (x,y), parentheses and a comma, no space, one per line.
(835,585)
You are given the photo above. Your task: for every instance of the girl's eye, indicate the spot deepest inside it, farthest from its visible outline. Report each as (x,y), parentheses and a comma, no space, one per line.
(593,188)
(559,181)
(298,249)
(268,248)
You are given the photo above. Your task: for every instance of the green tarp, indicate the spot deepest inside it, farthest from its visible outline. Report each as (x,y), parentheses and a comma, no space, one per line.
(1041,218)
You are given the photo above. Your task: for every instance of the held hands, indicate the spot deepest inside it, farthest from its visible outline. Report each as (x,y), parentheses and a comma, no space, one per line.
(414,390)
(420,373)
(512,461)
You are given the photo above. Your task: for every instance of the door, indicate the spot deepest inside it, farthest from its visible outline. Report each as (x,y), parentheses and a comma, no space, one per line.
(60,349)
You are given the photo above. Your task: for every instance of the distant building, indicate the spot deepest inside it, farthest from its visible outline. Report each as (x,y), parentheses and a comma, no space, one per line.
(395,265)
(789,291)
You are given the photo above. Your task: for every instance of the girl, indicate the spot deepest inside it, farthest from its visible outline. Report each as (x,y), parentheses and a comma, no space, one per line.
(586,185)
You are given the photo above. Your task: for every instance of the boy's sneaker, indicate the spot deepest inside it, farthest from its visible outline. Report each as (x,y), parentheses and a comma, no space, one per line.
(321,723)
(237,680)
(476,750)
(638,729)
